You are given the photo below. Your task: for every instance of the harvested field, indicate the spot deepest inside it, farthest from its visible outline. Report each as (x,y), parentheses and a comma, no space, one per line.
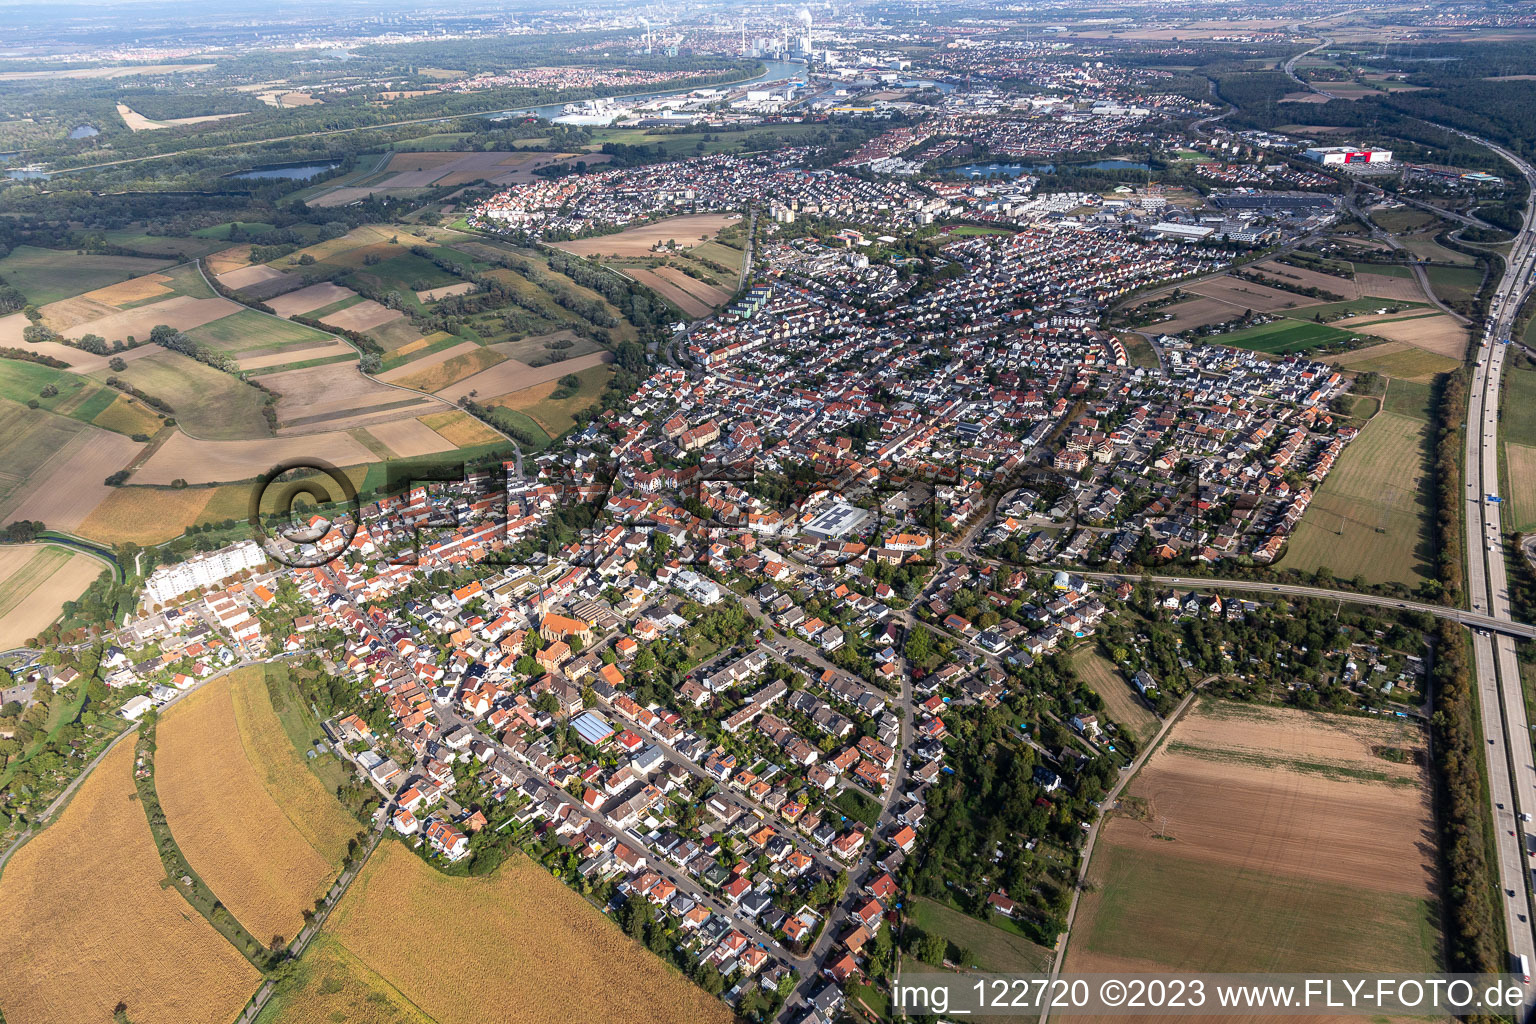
(1371,516)
(85,923)
(364,316)
(263,291)
(1520,468)
(35,581)
(296,355)
(397,336)
(1241,295)
(433,294)
(233,833)
(311,809)
(460,429)
(145,515)
(135,289)
(409,437)
(69,487)
(341,196)
(139,123)
(419,170)
(179,311)
(1312,279)
(513,375)
(1195,313)
(640,240)
(228,261)
(427,361)
(425,375)
(206,462)
(1396,359)
(710,294)
(306,299)
(669,290)
(67,313)
(47,275)
(1121,701)
(1441,334)
(1267,839)
(316,392)
(518,940)
(1389,287)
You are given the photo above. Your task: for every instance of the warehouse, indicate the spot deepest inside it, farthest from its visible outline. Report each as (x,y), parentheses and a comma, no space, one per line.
(1333,156)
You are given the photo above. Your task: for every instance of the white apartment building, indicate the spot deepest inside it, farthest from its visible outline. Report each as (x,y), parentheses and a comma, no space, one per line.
(203,570)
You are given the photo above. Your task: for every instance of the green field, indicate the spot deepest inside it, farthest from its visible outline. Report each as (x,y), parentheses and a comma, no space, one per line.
(1409,364)
(209,404)
(1185,914)
(160,245)
(1407,398)
(1284,336)
(47,275)
(330,984)
(557,415)
(406,274)
(1454,284)
(78,397)
(429,143)
(1517,415)
(1371,517)
(247,332)
(188,280)
(1519,466)
(1383,269)
(1403,219)
(220,232)
(28,439)
(992,948)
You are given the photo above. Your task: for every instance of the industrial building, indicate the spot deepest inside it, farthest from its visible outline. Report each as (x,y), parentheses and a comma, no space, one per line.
(836,521)
(1336,156)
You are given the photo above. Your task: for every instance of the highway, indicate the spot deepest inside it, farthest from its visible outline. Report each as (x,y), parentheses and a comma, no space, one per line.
(1501,699)
(1511,765)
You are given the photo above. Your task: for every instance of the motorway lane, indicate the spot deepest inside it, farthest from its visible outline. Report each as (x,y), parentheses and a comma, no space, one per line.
(1512,772)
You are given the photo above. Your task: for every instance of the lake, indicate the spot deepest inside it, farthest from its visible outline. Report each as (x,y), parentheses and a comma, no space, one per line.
(84,131)
(287,173)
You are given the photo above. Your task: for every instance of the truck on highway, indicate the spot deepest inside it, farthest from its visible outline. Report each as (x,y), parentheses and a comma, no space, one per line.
(1522,967)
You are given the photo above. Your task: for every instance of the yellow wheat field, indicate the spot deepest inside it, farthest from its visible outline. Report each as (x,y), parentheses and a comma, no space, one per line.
(313,812)
(460,429)
(517,940)
(85,923)
(135,289)
(145,515)
(232,832)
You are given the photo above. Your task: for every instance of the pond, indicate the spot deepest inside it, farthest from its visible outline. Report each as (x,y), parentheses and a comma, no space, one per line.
(84,131)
